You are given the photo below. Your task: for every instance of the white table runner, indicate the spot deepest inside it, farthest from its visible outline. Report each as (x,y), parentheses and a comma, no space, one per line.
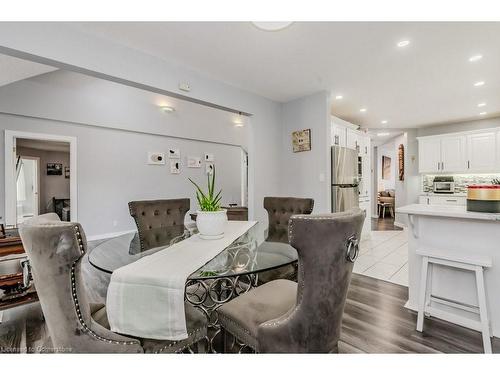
(146,298)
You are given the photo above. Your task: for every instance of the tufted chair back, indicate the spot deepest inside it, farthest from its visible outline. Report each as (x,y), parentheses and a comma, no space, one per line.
(279,210)
(55,249)
(159,221)
(323,243)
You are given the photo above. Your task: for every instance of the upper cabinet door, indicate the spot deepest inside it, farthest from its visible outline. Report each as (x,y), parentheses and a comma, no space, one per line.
(338,135)
(429,155)
(481,152)
(453,154)
(352,140)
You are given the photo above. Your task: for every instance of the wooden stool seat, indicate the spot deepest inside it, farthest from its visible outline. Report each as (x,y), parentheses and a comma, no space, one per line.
(470,262)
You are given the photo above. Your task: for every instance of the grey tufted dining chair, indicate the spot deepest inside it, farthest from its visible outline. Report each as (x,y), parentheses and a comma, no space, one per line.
(159,221)
(279,210)
(282,316)
(55,250)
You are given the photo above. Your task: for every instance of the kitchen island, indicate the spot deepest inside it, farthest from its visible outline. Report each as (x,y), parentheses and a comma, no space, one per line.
(454,229)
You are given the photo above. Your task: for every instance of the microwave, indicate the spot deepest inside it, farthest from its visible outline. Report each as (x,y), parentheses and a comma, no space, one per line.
(443,185)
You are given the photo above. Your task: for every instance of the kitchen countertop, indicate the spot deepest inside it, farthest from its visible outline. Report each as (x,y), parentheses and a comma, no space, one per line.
(446,211)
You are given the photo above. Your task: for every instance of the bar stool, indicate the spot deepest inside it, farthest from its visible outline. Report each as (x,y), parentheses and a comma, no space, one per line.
(470,262)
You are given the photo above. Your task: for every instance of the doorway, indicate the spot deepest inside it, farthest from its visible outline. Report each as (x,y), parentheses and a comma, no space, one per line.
(27,187)
(40,176)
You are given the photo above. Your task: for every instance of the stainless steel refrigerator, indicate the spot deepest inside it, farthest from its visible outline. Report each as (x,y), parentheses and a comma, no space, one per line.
(345,179)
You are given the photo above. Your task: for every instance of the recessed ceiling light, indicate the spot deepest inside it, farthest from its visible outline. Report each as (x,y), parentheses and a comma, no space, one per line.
(338,97)
(167,108)
(272,26)
(403,43)
(481,104)
(479,83)
(239,124)
(475,58)
(362,110)
(483,113)
(383,122)
(383,134)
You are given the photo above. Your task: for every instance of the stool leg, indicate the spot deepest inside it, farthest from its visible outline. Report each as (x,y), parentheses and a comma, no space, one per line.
(428,287)
(383,212)
(483,312)
(422,293)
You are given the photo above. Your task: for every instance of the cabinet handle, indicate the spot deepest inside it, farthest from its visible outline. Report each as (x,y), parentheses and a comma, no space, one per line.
(442,165)
(438,166)
(468,164)
(451,200)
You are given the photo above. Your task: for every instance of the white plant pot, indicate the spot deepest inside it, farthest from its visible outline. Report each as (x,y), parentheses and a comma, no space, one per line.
(211,224)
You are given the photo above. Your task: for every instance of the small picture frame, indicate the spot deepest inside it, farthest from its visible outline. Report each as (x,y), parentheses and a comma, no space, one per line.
(54,169)
(66,172)
(301,140)
(194,162)
(174,153)
(209,168)
(175,166)
(156,158)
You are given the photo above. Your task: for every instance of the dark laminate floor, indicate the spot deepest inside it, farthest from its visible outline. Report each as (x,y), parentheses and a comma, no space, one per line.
(386,223)
(375,321)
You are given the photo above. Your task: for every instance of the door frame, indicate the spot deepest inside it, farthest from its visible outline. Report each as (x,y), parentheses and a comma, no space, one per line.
(37,159)
(10,169)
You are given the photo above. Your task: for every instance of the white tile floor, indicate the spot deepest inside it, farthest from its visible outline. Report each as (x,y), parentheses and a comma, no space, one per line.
(384,256)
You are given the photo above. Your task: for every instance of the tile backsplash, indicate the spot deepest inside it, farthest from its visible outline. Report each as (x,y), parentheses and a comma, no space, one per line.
(461,181)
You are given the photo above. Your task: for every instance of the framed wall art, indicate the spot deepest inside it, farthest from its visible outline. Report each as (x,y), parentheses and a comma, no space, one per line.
(54,169)
(301,140)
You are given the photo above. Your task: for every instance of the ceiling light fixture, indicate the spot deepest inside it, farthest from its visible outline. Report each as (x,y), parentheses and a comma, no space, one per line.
(483,113)
(383,134)
(272,26)
(383,122)
(167,109)
(362,110)
(479,83)
(338,97)
(481,104)
(403,43)
(475,58)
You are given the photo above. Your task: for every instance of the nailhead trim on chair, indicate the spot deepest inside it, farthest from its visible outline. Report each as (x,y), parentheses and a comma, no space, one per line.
(175,342)
(75,297)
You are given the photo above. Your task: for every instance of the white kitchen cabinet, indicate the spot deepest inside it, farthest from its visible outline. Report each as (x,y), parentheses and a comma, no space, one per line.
(352,139)
(339,134)
(452,153)
(429,155)
(467,152)
(481,152)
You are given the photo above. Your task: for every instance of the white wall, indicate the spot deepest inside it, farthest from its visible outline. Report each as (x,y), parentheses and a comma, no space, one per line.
(112,170)
(387,149)
(459,127)
(61,45)
(301,171)
(50,186)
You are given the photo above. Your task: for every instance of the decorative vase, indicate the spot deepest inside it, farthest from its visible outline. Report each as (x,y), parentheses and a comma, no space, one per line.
(211,224)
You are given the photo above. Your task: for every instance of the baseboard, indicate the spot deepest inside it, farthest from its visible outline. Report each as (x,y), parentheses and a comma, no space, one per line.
(105,236)
(398,224)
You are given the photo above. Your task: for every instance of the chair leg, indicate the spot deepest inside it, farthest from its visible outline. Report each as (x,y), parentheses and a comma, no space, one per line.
(483,312)
(422,294)
(383,212)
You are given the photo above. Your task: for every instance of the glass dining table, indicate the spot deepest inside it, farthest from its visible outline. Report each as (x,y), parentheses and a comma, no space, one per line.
(231,273)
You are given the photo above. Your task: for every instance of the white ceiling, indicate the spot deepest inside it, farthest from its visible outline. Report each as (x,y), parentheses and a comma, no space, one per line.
(13,69)
(430,81)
